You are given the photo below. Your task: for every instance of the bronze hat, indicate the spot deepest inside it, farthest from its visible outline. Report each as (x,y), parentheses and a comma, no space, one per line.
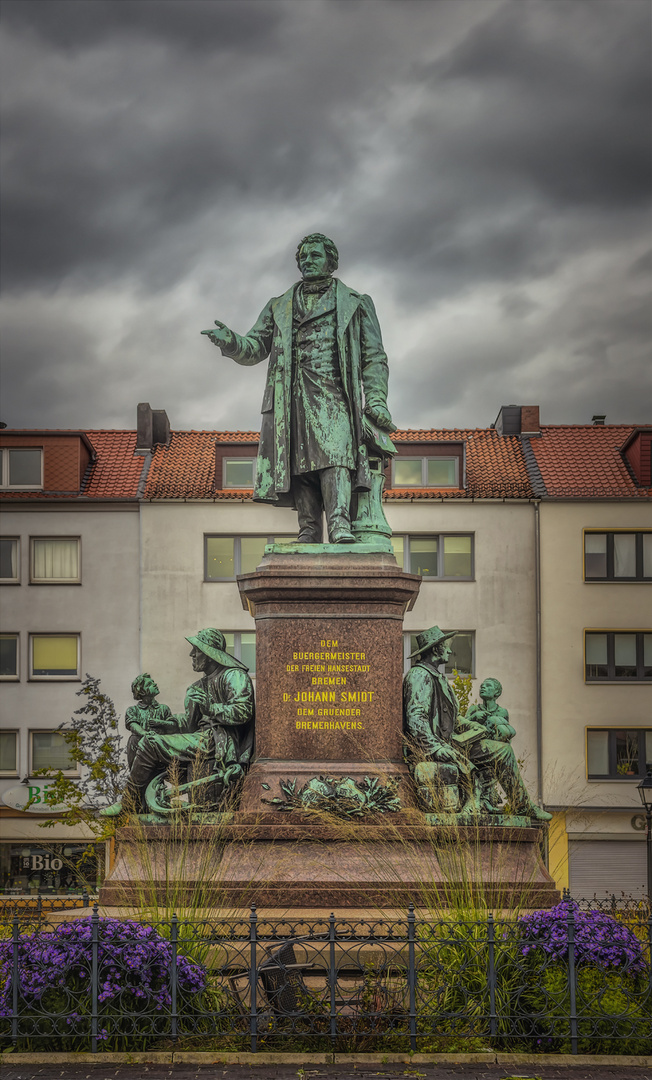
(429,638)
(213,643)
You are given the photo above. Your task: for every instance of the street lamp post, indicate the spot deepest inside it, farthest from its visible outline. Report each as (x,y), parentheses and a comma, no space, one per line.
(645,791)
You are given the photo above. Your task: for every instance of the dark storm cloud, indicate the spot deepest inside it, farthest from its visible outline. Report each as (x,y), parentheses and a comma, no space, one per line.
(484,168)
(193,24)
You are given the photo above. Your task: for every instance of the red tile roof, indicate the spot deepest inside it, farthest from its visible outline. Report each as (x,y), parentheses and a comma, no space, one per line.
(495,467)
(585,461)
(114,474)
(117,470)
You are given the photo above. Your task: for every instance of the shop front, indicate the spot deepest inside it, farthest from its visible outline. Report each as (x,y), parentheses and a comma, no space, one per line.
(54,869)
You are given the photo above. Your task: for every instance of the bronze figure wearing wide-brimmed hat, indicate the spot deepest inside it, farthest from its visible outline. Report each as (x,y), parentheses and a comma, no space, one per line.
(429,638)
(213,643)
(213,737)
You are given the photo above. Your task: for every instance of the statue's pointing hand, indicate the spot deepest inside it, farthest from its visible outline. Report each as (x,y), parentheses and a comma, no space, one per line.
(220,337)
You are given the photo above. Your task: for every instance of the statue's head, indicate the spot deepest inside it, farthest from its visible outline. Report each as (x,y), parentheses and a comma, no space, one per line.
(211,644)
(317,256)
(434,642)
(491,688)
(144,686)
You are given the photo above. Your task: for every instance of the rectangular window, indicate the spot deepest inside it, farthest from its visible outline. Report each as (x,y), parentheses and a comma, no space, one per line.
(9,657)
(242,645)
(425,472)
(55,559)
(21,468)
(618,556)
(618,655)
(618,753)
(8,753)
(461,658)
(9,560)
(54,656)
(448,557)
(227,556)
(238,472)
(49,750)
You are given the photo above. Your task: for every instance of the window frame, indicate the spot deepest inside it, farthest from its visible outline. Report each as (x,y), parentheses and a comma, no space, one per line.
(611,677)
(424,470)
(611,752)
(610,578)
(237,552)
(33,580)
(13,580)
(9,773)
(226,461)
(237,646)
(12,634)
(407,649)
(440,537)
(5,485)
(75,772)
(52,678)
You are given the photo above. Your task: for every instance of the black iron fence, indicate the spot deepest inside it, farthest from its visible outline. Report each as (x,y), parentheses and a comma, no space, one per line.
(571,980)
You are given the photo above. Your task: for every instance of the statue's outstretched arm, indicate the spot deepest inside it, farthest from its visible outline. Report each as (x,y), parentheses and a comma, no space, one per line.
(250,348)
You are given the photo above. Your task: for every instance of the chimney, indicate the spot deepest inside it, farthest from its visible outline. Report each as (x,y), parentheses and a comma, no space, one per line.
(518,420)
(152,428)
(598,419)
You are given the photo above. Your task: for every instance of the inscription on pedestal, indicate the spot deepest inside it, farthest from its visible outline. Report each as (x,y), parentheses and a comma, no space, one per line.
(329,687)
(329,696)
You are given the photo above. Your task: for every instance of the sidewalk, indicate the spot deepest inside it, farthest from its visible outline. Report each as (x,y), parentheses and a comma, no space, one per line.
(301,1069)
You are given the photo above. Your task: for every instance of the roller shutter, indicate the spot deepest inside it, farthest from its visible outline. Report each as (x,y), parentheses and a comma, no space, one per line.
(602,867)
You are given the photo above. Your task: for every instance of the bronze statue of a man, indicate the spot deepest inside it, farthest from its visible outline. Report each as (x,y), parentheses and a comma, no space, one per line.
(445,750)
(217,726)
(327,371)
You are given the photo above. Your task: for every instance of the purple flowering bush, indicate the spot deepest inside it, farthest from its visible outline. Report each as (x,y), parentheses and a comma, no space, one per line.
(599,938)
(134,999)
(613,1000)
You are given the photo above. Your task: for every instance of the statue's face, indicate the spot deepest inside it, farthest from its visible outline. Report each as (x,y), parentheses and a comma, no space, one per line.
(445,650)
(199,659)
(487,689)
(313,262)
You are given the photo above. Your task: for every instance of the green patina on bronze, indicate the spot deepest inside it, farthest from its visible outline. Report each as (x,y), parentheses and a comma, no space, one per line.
(325,421)
(457,762)
(341,796)
(206,749)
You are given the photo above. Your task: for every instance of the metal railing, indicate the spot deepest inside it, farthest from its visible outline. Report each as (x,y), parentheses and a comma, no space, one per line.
(346,985)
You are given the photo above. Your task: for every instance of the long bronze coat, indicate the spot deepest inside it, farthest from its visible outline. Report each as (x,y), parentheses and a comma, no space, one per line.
(363,368)
(430,710)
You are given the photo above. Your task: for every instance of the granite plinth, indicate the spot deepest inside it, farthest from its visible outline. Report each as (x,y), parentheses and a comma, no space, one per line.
(329,667)
(315,865)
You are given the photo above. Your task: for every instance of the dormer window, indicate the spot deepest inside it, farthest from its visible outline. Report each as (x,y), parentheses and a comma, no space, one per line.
(422,464)
(238,472)
(425,472)
(235,462)
(21,468)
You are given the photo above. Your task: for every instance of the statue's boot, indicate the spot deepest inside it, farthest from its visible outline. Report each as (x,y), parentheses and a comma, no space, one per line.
(132,799)
(306,491)
(336,493)
(490,799)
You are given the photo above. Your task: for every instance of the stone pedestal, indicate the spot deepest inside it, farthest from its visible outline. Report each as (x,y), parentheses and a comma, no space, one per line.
(327,816)
(329,670)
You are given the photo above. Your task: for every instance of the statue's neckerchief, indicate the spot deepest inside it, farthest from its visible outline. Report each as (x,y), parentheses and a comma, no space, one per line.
(309,288)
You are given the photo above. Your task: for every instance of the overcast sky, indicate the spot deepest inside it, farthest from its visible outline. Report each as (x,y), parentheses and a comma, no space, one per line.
(482,165)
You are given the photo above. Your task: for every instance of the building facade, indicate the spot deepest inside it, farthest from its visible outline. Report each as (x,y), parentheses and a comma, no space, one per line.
(532,541)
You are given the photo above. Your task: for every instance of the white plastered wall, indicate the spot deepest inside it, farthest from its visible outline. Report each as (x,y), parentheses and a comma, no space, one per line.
(104,609)
(570,606)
